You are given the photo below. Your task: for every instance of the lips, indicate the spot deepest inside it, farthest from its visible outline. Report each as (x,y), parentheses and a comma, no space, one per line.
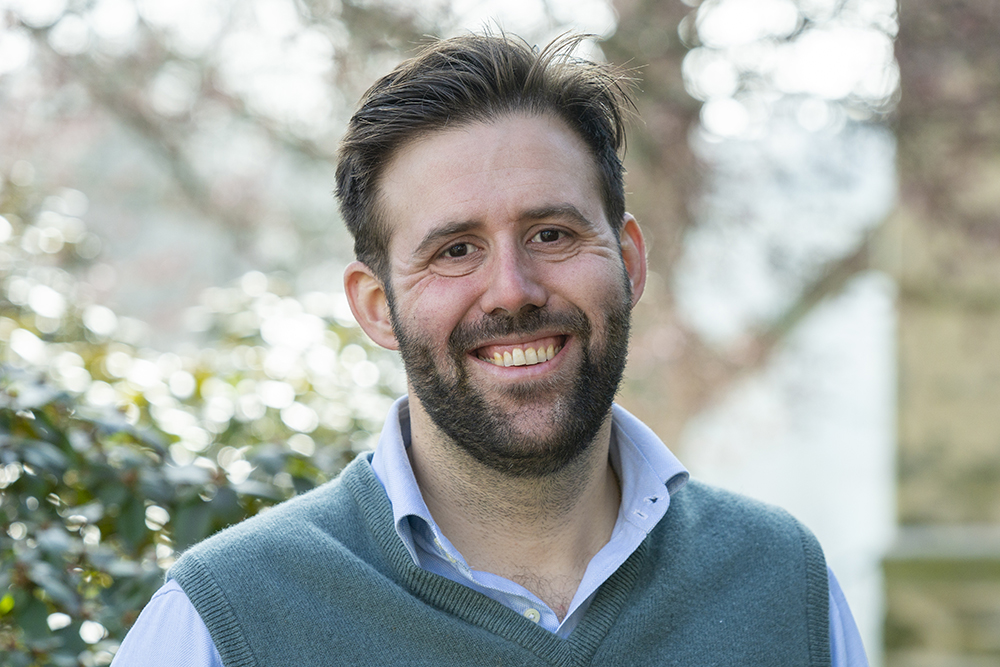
(522,354)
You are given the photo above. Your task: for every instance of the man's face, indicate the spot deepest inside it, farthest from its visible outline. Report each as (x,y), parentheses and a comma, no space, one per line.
(509,298)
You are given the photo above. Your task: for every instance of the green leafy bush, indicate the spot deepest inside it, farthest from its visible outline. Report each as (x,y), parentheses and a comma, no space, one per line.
(114,456)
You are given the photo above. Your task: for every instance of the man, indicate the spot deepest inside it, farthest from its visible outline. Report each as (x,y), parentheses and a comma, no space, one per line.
(511,514)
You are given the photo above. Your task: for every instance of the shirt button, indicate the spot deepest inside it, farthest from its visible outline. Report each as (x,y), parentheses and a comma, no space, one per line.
(533,615)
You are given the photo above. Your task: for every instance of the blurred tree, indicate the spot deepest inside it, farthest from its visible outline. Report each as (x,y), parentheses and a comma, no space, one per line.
(676,371)
(202,132)
(668,370)
(943,576)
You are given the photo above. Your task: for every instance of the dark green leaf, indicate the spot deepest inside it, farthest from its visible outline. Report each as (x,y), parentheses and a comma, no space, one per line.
(49,578)
(54,540)
(131,523)
(191,523)
(71,642)
(33,618)
(111,493)
(17,659)
(303,484)
(226,506)
(65,658)
(155,486)
(44,456)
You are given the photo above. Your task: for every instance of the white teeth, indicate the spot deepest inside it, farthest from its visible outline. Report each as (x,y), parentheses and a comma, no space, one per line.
(523,357)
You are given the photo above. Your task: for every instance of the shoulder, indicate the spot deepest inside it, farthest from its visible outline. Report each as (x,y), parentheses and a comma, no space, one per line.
(742,576)
(313,556)
(327,520)
(713,510)
(706,524)
(722,541)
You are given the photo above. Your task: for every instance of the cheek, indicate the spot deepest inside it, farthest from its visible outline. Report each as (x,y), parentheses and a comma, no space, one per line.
(438,305)
(590,282)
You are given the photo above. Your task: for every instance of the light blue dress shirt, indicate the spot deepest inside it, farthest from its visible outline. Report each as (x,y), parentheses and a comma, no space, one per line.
(170,633)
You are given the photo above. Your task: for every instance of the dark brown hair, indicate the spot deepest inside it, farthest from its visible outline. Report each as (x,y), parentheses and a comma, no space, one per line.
(473,78)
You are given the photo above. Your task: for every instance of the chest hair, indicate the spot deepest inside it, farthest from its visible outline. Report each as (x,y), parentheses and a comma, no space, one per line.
(556,592)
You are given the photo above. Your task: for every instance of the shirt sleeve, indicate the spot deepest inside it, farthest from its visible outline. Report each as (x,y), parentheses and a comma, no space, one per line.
(846,649)
(168,633)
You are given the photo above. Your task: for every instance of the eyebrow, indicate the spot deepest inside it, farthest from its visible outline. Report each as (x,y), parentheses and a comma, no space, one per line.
(435,236)
(559,211)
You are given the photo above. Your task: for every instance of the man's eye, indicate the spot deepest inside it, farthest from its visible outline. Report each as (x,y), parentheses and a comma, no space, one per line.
(547,236)
(458,250)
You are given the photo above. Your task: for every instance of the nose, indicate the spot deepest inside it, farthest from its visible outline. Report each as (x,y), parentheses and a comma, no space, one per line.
(512,283)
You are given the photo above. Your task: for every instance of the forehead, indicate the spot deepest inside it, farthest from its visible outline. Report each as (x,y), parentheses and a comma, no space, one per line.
(487,171)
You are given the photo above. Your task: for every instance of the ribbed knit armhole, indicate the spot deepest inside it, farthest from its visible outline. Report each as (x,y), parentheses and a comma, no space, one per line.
(215,610)
(308,582)
(817,601)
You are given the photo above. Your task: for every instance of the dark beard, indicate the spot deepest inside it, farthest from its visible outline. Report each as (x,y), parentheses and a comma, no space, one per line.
(462,413)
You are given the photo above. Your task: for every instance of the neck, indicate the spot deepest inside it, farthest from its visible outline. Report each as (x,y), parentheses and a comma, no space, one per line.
(538,531)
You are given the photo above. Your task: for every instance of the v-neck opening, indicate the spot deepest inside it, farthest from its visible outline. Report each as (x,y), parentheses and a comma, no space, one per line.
(479,610)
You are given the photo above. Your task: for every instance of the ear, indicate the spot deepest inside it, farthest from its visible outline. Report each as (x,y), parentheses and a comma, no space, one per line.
(367,298)
(634,255)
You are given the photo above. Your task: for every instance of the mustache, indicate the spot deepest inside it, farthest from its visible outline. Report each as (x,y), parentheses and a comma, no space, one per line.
(467,337)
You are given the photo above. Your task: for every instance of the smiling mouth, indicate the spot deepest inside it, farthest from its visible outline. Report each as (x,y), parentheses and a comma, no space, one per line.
(522,354)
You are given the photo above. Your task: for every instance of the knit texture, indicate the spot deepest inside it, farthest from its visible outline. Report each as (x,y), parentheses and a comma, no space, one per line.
(323,579)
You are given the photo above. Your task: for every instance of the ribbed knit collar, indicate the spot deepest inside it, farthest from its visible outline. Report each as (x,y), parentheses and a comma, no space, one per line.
(477,609)
(648,473)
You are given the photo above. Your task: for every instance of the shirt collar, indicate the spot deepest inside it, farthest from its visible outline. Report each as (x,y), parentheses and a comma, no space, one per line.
(392,468)
(645,467)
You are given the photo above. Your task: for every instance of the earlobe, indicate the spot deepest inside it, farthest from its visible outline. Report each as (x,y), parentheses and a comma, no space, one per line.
(634,255)
(367,297)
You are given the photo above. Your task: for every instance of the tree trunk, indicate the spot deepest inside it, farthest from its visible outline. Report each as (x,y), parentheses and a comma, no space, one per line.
(943,577)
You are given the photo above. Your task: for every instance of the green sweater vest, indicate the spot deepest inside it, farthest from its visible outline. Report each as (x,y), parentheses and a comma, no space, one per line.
(323,579)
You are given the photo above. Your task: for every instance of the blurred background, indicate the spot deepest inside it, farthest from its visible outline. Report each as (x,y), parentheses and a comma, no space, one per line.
(818,180)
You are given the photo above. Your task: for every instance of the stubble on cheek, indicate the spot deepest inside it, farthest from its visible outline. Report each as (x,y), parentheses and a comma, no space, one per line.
(544,424)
